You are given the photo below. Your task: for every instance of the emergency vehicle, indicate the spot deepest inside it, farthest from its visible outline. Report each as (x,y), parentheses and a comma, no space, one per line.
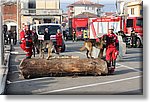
(78,25)
(100,26)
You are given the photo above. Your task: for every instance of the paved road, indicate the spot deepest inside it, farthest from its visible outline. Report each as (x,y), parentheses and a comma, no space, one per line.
(127,78)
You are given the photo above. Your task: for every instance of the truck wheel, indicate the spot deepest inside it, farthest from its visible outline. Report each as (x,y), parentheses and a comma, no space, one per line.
(138,43)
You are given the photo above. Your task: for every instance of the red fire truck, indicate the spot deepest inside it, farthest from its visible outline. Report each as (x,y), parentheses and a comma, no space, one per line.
(100,26)
(78,24)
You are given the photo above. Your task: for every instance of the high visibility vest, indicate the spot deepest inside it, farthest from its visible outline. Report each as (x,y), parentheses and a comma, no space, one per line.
(85,34)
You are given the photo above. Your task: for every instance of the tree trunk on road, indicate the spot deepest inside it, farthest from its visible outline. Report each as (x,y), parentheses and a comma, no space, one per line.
(59,66)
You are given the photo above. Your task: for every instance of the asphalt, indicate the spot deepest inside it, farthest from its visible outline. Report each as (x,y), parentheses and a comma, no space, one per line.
(126,80)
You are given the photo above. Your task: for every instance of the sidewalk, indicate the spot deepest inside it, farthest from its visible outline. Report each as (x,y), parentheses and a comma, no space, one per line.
(4,68)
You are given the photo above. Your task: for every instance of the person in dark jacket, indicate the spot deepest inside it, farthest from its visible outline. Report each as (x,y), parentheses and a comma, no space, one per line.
(58,41)
(46,34)
(133,38)
(9,36)
(14,37)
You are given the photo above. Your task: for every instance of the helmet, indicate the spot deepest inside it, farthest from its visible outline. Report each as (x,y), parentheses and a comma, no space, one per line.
(27,23)
(111,28)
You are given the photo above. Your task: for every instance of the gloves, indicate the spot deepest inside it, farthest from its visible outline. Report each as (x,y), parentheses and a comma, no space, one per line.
(20,42)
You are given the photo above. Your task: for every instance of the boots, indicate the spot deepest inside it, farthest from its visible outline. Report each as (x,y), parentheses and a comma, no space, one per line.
(109,67)
(113,66)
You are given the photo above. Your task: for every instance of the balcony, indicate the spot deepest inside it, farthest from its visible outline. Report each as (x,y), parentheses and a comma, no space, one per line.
(48,12)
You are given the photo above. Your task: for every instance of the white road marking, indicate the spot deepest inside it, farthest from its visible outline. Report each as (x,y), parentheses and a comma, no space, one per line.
(28,80)
(120,65)
(129,68)
(91,85)
(14,52)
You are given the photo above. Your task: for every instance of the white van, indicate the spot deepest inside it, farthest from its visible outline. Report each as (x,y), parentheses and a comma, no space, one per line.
(52,28)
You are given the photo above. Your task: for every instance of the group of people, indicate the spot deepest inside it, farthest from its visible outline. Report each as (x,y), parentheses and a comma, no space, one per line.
(9,36)
(26,41)
(111,44)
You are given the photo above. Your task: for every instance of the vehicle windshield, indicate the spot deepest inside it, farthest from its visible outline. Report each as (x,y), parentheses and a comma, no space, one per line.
(51,28)
(139,22)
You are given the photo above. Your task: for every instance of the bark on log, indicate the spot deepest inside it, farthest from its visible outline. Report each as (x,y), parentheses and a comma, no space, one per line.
(58,66)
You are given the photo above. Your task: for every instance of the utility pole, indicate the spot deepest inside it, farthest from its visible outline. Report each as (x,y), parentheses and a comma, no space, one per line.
(1,38)
(17,20)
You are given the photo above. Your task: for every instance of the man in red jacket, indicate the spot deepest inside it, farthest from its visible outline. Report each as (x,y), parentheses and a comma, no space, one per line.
(112,50)
(26,40)
(58,41)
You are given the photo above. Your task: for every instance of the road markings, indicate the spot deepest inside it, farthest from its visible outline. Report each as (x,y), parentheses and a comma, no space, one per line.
(37,79)
(90,85)
(14,52)
(121,65)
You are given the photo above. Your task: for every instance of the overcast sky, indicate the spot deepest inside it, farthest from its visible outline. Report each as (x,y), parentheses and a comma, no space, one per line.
(109,5)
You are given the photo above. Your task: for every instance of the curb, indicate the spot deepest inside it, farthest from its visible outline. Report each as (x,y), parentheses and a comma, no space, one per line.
(3,72)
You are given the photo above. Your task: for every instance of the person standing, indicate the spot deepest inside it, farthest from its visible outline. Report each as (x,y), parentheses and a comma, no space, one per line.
(26,40)
(9,36)
(112,50)
(14,37)
(85,34)
(133,38)
(35,41)
(46,34)
(73,35)
(58,41)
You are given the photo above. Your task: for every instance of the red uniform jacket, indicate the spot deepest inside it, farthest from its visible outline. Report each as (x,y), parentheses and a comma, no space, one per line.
(59,39)
(111,40)
(23,40)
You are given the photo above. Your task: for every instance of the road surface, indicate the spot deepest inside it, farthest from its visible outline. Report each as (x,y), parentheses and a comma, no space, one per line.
(126,80)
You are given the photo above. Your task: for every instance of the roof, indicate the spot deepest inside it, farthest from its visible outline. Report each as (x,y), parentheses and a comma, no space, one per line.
(85,3)
(110,13)
(138,2)
(86,15)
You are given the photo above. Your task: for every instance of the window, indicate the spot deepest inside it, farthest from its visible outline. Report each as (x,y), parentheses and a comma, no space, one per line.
(132,11)
(51,28)
(139,22)
(93,8)
(129,22)
(32,5)
(88,7)
(141,12)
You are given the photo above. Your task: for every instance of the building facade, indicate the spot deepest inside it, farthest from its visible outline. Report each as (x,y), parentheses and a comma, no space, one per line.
(40,11)
(83,6)
(135,8)
(9,10)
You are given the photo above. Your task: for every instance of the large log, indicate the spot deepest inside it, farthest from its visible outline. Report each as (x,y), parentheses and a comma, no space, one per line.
(60,66)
